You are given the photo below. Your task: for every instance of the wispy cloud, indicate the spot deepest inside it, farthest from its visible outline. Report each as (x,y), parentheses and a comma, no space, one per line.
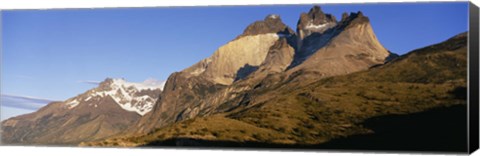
(90,82)
(23,102)
(154,82)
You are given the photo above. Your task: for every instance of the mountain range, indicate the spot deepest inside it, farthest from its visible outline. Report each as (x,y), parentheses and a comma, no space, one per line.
(271,84)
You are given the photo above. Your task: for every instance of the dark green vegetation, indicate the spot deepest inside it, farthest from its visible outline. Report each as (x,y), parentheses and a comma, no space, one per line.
(425,89)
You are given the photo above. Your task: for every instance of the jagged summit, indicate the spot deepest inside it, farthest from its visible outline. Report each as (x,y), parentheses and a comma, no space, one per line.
(352,32)
(149,84)
(349,46)
(272,16)
(271,24)
(318,16)
(315,21)
(354,18)
(131,96)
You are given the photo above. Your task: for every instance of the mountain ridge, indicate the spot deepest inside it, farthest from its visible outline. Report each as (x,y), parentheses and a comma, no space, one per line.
(95,114)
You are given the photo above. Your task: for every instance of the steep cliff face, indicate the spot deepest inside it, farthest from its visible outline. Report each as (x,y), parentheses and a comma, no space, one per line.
(348,47)
(278,58)
(242,55)
(181,91)
(240,92)
(237,58)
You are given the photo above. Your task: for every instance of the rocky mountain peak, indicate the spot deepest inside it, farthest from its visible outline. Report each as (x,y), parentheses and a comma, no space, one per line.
(106,82)
(274,17)
(131,96)
(271,24)
(354,18)
(315,21)
(149,84)
(315,9)
(321,39)
(344,16)
(319,17)
(243,54)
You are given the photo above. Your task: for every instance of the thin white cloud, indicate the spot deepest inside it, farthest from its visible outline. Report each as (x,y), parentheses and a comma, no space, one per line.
(151,82)
(23,102)
(154,82)
(90,82)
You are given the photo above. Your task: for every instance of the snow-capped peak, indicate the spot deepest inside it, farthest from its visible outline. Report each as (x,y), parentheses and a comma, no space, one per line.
(131,96)
(149,83)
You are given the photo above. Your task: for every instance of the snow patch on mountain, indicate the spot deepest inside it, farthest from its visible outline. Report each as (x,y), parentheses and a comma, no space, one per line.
(273,16)
(126,94)
(131,96)
(313,26)
(73,103)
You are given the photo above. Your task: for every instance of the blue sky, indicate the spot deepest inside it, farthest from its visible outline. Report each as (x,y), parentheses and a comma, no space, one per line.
(51,54)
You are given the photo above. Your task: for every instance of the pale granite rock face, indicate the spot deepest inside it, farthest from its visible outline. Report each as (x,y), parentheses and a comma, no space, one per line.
(349,47)
(228,59)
